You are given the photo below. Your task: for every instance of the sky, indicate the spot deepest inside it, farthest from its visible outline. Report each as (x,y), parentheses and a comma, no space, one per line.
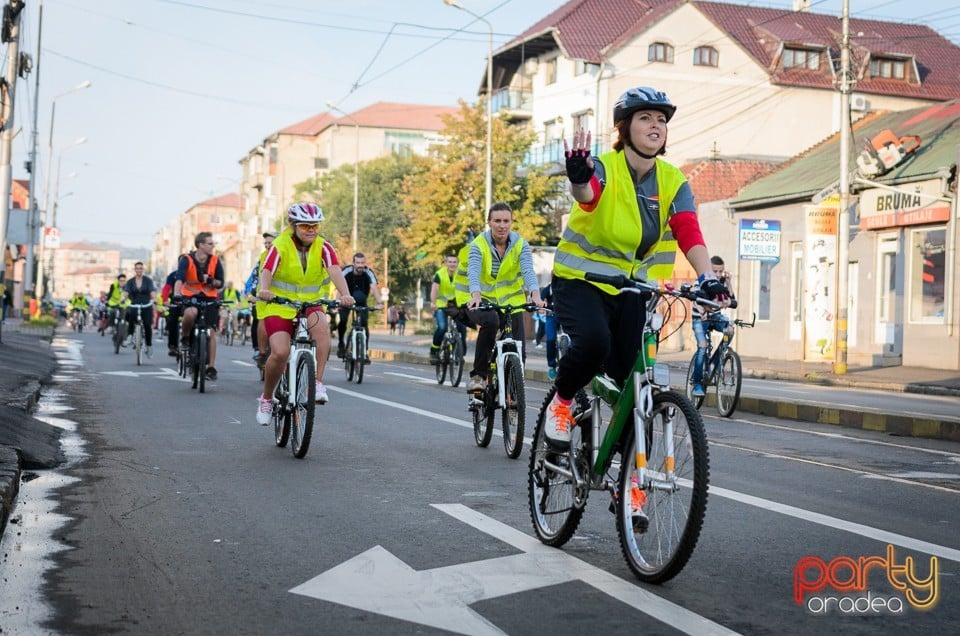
(181,90)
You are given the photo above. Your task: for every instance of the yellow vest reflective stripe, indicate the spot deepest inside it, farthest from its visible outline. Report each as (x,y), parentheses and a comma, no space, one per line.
(446,290)
(291,281)
(506,288)
(605,240)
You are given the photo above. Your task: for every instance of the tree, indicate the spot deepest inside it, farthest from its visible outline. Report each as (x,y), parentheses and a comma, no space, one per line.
(447,190)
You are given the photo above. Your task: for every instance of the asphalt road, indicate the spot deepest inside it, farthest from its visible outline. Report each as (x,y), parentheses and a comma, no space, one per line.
(179,515)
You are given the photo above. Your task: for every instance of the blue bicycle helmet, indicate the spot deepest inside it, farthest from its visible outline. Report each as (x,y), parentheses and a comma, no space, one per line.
(642,98)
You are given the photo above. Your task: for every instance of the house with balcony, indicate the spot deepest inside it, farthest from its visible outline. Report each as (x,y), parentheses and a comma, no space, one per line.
(308,149)
(747,80)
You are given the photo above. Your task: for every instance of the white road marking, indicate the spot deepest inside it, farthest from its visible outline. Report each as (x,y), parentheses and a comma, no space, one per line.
(377,581)
(799,513)
(409,376)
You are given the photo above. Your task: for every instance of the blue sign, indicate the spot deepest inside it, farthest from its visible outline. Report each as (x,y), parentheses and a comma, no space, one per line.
(759,240)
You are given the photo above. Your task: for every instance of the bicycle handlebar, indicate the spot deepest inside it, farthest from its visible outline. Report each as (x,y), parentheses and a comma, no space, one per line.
(487,305)
(141,306)
(297,304)
(621,282)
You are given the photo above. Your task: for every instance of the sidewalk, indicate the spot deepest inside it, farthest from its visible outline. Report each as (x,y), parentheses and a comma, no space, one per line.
(26,363)
(415,348)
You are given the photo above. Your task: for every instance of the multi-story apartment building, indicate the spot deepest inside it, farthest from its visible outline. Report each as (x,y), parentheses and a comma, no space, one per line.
(220,216)
(309,149)
(84,267)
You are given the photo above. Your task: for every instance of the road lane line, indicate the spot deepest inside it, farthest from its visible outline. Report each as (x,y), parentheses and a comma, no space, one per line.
(766,504)
(900,479)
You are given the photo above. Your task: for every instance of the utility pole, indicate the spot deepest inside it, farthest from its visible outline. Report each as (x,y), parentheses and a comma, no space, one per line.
(28,274)
(11,36)
(843,225)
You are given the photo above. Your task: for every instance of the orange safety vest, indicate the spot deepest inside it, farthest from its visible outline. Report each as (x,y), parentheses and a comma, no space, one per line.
(192,285)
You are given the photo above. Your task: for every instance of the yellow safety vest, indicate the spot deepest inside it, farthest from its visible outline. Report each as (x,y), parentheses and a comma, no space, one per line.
(605,241)
(231,297)
(290,281)
(446,291)
(506,288)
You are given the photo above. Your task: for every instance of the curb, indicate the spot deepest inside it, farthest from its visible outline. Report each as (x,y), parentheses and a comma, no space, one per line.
(798,411)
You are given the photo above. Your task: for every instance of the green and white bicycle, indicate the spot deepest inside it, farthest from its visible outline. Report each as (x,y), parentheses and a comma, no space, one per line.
(651,457)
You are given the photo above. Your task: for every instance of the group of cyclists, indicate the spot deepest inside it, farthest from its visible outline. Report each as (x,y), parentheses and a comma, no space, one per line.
(632,212)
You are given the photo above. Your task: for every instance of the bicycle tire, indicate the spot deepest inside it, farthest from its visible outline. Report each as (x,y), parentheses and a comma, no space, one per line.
(696,401)
(482,419)
(306,406)
(674,509)
(443,361)
(119,333)
(348,361)
(361,355)
(455,368)
(281,416)
(202,353)
(513,417)
(555,501)
(138,343)
(729,379)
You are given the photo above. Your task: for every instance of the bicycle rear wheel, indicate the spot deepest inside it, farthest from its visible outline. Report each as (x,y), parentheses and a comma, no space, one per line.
(729,379)
(305,405)
(514,411)
(119,333)
(674,501)
(138,342)
(482,418)
(281,416)
(361,355)
(556,501)
(696,401)
(455,367)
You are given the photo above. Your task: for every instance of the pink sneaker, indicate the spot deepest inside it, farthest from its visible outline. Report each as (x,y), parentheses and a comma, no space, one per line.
(321,393)
(264,411)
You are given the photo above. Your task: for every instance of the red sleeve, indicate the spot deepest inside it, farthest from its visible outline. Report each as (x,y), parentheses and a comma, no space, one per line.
(329,255)
(686,229)
(272,261)
(597,190)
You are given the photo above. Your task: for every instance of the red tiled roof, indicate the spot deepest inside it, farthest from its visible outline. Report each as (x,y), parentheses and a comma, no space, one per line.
(309,127)
(96,269)
(83,246)
(404,116)
(591,29)
(231,200)
(720,179)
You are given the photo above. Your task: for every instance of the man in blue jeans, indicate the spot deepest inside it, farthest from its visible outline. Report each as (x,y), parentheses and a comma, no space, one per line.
(705,319)
(442,294)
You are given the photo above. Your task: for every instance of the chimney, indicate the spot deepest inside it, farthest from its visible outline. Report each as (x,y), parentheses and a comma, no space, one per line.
(801,5)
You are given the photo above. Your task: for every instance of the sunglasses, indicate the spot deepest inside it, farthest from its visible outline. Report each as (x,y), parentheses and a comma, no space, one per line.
(309,226)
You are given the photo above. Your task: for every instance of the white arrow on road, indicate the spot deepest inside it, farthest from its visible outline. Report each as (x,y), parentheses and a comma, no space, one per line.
(377,581)
(163,374)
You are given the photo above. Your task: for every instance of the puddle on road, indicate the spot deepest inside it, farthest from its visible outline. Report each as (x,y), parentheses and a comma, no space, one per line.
(28,546)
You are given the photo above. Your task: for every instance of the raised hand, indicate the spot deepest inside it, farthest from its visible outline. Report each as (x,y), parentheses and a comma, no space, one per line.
(579,162)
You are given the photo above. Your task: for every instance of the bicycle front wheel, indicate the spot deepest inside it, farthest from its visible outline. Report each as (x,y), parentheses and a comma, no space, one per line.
(729,379)
(659,521)
(138,343)
(696,401)
(455,367)
(305,405)
(202,357)
(361,355)
(514,410)
(349,361)
(555,498)
(281,416)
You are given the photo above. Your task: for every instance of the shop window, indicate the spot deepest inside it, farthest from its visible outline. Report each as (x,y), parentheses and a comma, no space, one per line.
(927,275)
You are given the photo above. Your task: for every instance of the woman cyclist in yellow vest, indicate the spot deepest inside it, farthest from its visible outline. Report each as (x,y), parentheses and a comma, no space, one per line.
(631,212)
(497,267)
(298,266)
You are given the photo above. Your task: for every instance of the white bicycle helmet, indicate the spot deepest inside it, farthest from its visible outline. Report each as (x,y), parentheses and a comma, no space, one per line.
(305,213)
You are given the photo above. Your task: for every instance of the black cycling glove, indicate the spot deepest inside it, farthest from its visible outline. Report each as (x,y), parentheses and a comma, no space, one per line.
(578,171)
(714,289)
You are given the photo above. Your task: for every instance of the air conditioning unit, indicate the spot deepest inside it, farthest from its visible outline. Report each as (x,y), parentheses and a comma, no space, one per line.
(530,66)
(859,103)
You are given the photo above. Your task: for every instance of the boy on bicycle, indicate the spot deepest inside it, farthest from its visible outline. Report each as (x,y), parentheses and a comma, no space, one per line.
(705,319)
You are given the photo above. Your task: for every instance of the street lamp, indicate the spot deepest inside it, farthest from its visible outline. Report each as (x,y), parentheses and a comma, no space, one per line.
(489,175)
(56,191)
(46,196)
(356,174)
